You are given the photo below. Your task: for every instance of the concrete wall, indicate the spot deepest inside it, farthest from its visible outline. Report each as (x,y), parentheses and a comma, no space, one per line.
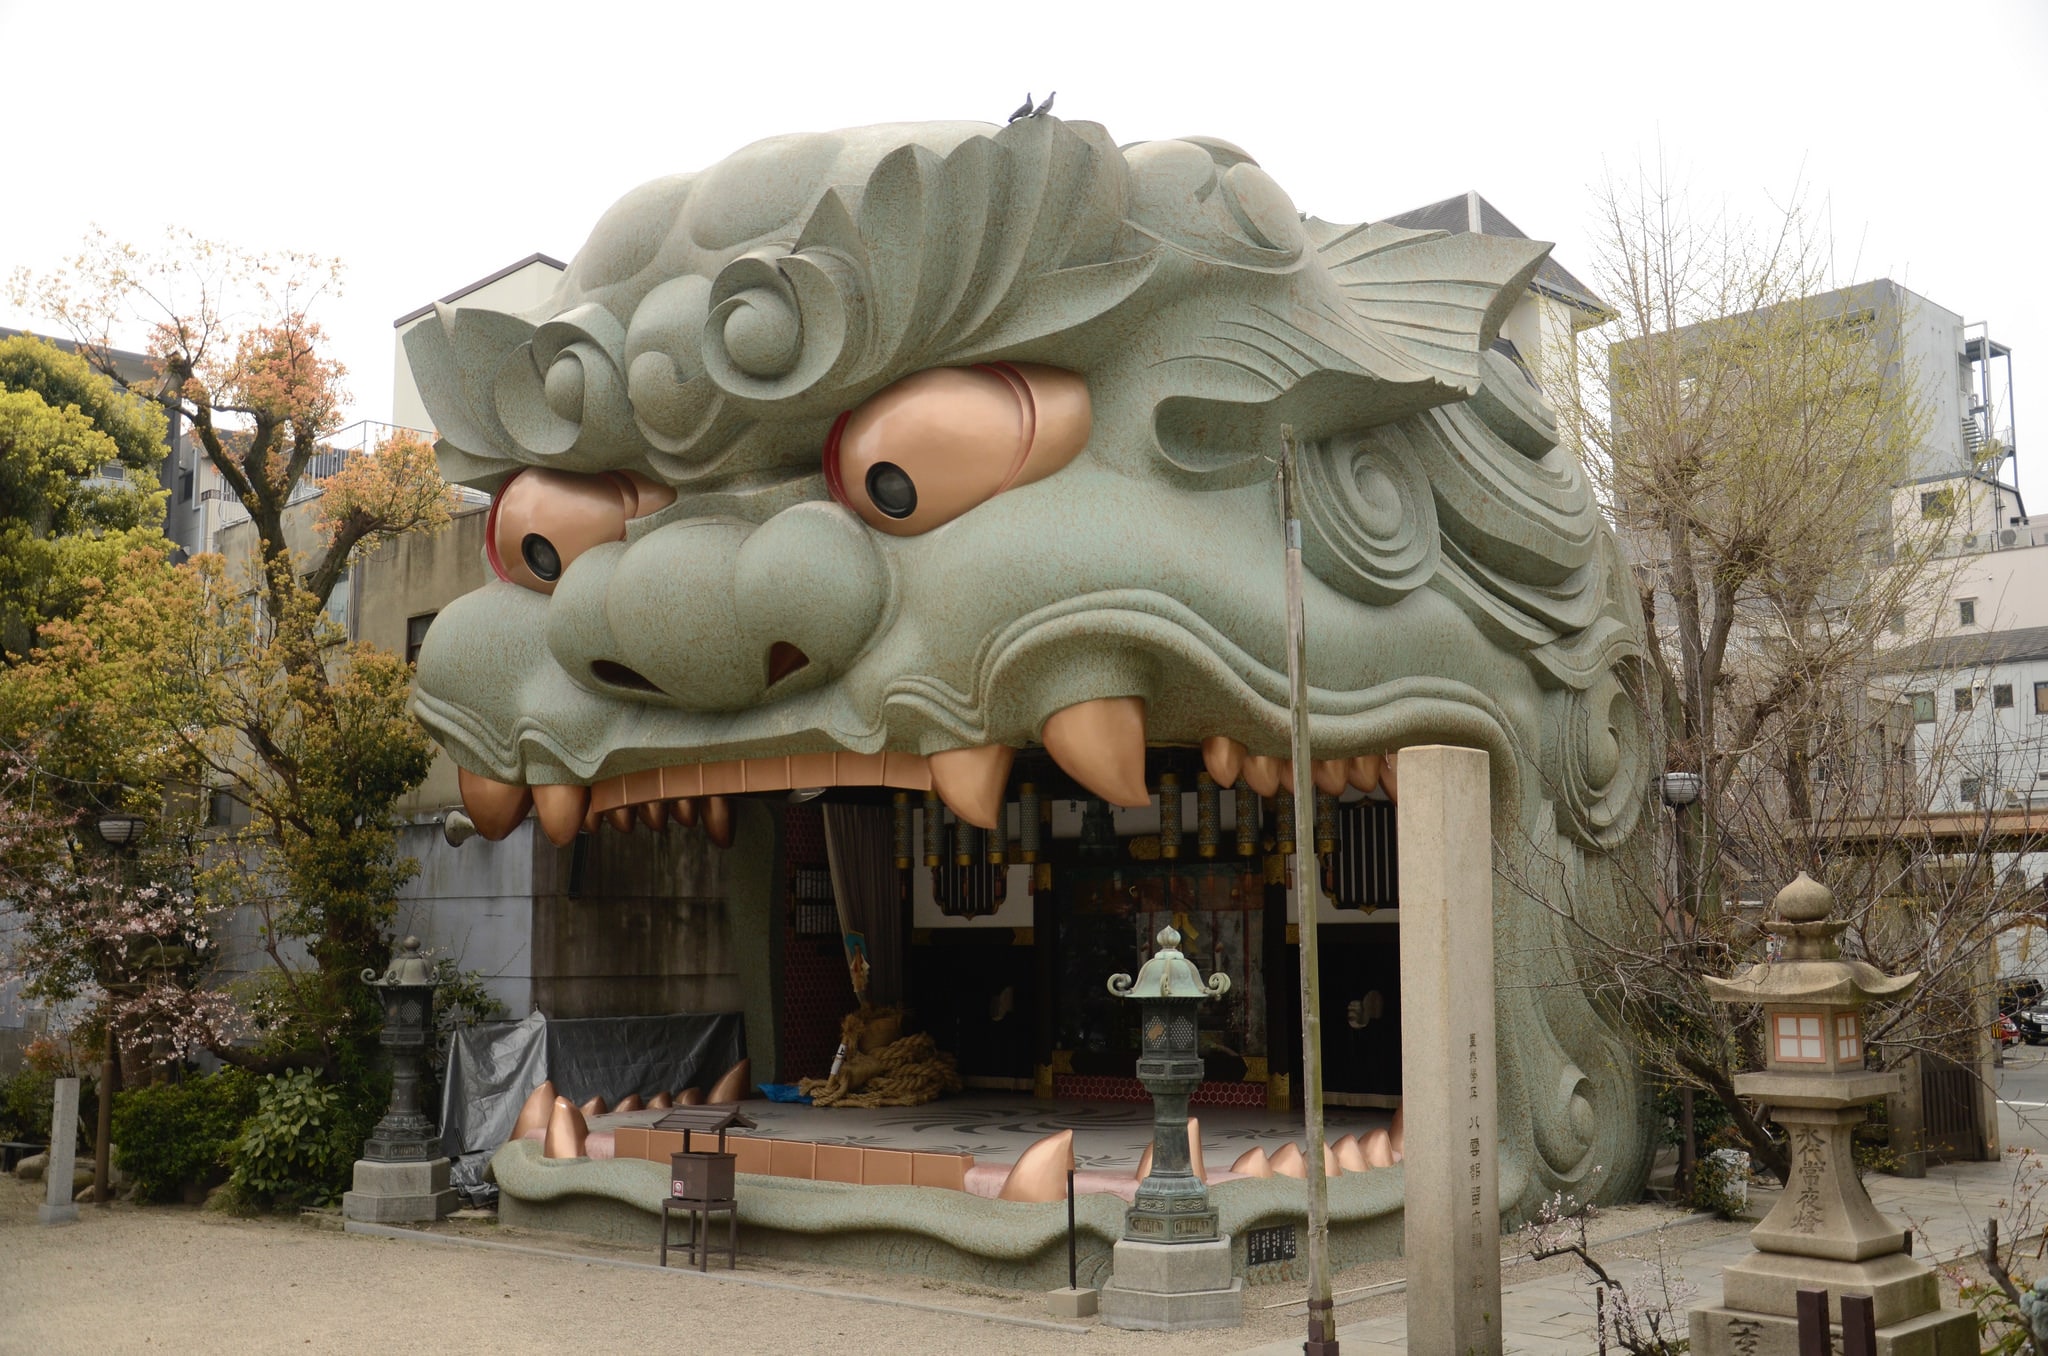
(647,931)
(412,576)
(1930,339)
(648,923)
(474,905)
(2010,587)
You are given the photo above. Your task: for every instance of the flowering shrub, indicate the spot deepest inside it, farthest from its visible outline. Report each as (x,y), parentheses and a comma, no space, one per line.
(136,953)
(1643,1314)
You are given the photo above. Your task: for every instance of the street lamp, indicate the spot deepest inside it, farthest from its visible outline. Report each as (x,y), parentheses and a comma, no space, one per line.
(121,830)
(1679,789)
(117,831)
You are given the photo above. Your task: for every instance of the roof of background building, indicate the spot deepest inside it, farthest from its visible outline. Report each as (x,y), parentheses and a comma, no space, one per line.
(1956,653)
(1471,212)
(485,281)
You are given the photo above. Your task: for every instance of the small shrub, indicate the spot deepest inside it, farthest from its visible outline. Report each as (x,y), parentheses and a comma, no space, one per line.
(299,1146)
(25,1105)
(177,1134)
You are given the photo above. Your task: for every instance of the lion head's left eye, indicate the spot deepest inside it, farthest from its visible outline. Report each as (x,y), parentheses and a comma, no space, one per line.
(542,520)
(922,452)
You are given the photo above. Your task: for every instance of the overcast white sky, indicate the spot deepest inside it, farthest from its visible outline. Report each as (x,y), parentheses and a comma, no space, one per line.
(428,144)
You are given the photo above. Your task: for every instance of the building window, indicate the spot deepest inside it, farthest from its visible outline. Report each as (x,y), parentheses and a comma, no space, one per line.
(1966,700)
(1971,790)
(2041,699)
(225,811)
(416,635)
(1798,1038)
(1966,611)
(1848,1039)
(1923,706)
(1938,503)
(2001,696)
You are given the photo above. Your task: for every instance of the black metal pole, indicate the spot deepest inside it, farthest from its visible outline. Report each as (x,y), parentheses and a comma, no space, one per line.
(1073,1276)
(110,1073)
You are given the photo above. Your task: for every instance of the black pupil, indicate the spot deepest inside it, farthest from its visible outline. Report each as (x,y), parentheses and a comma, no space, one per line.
(891,489)
(541,557)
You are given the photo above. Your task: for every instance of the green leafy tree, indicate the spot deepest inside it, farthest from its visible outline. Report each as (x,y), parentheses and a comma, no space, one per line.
(228,676)
(62,519)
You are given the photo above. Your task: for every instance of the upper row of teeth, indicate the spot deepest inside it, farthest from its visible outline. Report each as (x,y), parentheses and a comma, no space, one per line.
(1100,744)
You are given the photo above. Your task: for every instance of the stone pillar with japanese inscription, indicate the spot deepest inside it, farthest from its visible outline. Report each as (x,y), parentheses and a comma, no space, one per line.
(1451,1158)
(1824,1233)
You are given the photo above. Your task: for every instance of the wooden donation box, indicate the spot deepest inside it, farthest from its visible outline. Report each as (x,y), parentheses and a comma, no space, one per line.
(702,1180)
(696,1175)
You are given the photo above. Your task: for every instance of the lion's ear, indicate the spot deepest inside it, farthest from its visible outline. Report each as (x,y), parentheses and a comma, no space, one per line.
(1439,299)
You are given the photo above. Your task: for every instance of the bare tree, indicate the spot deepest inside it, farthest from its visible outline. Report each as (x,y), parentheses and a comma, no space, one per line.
(1747,423)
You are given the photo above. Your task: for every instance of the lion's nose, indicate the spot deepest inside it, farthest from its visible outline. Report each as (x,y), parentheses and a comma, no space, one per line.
(716,615)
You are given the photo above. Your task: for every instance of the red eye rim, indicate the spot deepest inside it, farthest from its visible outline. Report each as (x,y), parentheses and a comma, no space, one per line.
(1027,409)
(497,562)
(835,484)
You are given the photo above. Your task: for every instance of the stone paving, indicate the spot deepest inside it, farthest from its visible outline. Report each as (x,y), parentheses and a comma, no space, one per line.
(1553,1315)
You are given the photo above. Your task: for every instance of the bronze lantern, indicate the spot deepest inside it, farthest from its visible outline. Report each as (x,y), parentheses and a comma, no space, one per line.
(1172,1205)
(405,1135)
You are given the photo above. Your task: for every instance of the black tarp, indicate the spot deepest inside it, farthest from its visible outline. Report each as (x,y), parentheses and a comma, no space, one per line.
(493,1066)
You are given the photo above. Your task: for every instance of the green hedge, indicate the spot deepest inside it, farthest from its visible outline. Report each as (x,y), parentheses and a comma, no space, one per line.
(173,1135)
(25,1106)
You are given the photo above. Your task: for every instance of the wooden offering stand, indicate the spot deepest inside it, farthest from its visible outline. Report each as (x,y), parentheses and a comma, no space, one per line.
(702,1181)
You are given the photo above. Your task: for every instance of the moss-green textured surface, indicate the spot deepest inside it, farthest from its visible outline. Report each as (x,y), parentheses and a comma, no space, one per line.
(924,1230)
(1463,588)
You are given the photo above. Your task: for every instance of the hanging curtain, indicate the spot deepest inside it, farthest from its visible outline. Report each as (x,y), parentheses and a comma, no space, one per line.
(860,850)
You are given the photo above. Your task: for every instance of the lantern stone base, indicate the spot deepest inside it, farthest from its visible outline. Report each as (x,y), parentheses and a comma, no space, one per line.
(1728,1332)
(399,1193)
(1760,1305)
(1173,1287)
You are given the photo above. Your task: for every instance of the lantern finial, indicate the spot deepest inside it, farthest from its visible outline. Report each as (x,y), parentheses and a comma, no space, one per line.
(1805,900)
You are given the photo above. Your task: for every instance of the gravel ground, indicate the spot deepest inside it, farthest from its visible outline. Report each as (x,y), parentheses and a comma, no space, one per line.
(167,1278)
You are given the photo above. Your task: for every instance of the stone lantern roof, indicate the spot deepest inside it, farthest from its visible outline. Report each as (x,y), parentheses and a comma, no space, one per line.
(1812,969)
(408,968)
(1169,974)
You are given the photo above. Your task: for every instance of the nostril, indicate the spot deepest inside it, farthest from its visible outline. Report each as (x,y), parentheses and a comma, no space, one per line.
(783,660)
(618,675)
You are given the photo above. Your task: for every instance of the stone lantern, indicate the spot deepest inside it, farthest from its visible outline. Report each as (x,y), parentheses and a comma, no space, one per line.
(1824,1233)
(1172,1268)
(403,1175)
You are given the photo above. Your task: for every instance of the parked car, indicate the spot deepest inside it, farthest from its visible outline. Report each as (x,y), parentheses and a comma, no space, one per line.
(2021,1000)
(2008,1031)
